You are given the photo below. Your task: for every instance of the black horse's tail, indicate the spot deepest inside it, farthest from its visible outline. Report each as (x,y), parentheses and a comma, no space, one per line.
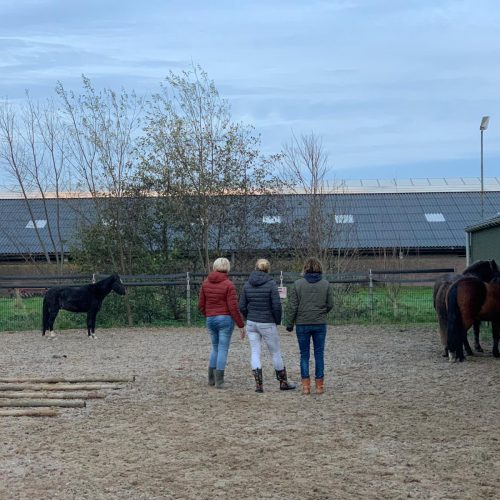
(45,317)
(455,325)
(474,291)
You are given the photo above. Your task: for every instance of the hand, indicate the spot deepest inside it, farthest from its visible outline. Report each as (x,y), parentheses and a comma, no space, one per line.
(242,333)
(289,328)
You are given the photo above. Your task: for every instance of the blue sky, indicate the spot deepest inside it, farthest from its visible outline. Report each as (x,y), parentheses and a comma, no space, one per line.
(395,88)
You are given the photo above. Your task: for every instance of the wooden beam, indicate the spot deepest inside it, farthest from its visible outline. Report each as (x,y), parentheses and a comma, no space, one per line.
(69,380)
(58,387)
(20,402)
(29,412)
(52,394)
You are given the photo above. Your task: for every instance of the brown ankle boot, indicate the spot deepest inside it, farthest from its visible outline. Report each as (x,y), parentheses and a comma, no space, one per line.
(319,386)
(283,380)
(258,380)
(306,386)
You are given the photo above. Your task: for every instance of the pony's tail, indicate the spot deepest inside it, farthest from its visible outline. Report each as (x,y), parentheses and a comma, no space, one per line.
(45,316)
(456,328)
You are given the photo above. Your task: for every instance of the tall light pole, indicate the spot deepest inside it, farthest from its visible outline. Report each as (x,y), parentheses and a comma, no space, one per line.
(484,125)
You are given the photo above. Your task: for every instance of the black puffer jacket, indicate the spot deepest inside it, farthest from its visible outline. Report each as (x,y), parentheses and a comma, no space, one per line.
(260,300)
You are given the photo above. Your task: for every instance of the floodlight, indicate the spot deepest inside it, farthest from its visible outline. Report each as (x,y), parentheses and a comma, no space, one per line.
(484,123)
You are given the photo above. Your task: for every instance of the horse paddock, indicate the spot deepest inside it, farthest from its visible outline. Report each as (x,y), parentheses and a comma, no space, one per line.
(396,420)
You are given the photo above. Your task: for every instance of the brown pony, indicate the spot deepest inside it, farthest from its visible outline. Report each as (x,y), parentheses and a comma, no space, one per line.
(470,299)
(484,270)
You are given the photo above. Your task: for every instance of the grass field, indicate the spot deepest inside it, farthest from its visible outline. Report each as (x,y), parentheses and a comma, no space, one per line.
(159,306)
(163,307)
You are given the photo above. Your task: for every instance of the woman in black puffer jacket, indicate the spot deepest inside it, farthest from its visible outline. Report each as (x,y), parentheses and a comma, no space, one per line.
(260,304)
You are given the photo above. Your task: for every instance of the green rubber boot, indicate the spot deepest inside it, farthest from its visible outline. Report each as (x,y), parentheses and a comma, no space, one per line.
(219,379)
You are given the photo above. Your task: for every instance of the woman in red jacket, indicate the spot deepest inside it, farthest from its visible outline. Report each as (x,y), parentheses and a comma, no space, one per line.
(218,302)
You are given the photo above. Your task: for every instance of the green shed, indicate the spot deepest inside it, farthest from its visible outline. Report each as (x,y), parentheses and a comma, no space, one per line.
(483,240)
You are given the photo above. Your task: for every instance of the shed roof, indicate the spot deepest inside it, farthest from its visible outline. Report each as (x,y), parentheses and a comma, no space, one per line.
(493,222)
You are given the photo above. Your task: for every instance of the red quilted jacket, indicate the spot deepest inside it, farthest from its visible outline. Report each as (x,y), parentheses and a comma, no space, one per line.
(218,297)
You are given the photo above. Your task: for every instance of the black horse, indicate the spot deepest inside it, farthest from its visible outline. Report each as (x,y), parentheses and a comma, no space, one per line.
(87,298)
(484,270)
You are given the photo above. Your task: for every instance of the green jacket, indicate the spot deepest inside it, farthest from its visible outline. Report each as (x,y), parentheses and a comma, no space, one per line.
(309,302)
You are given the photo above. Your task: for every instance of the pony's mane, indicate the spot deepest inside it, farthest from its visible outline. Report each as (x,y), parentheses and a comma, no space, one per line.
(480,265)
(496,278)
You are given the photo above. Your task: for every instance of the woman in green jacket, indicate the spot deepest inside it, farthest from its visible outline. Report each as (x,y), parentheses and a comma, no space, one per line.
(310,301)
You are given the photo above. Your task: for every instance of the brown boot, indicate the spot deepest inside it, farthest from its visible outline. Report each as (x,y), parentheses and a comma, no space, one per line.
(282,377)
(319,386)
(306,386)
(258,380)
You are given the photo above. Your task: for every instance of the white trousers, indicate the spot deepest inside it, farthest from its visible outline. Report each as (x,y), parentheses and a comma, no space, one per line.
(269,333)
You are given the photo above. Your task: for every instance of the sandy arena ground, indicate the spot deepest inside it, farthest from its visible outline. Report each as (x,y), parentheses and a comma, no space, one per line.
(396,421)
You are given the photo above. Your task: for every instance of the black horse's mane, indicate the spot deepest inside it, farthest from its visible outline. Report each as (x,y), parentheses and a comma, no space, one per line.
(481,268)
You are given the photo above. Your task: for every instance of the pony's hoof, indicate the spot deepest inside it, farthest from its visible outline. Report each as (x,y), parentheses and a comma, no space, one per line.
(52,335)
(452,358)
(93,337)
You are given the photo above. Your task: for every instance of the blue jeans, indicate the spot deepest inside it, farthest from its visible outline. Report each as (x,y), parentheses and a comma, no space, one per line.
(318,335)
(221,329)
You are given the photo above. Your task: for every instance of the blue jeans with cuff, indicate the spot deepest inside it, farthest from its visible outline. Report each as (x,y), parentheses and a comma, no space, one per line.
(318,335)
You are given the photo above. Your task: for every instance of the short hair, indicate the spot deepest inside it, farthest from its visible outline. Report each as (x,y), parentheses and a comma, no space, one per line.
(312,265)
(222,265)
(263,265)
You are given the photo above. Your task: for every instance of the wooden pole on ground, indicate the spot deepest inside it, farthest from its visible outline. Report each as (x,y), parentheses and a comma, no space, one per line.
(52,394)
(63,403)
(69,380)
(58,387)
(29,412)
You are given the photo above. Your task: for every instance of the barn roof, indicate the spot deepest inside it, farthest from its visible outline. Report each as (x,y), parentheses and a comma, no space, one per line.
(428,220)
(413,220)
(18,234)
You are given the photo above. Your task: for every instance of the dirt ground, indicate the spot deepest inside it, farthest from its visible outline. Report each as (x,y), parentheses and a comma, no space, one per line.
(396,421)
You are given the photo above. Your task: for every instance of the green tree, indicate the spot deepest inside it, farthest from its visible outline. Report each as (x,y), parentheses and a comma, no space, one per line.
(204,167)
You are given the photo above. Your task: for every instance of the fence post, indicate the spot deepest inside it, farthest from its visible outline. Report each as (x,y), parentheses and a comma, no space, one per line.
(188,299)
(283,317)
(371,295)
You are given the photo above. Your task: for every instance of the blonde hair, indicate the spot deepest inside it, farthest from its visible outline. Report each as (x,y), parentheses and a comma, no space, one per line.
(263,265)
(222,265)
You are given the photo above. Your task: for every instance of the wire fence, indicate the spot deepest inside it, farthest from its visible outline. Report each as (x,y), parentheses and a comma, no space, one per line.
(382,297)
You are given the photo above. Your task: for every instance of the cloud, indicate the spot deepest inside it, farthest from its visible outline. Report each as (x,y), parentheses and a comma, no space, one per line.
(383,82)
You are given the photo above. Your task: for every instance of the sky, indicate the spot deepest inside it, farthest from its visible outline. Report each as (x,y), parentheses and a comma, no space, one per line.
(394,88)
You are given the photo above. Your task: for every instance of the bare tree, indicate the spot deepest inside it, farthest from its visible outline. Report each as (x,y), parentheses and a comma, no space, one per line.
(102,129)
(393,259)
(316,220)
(34,156)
